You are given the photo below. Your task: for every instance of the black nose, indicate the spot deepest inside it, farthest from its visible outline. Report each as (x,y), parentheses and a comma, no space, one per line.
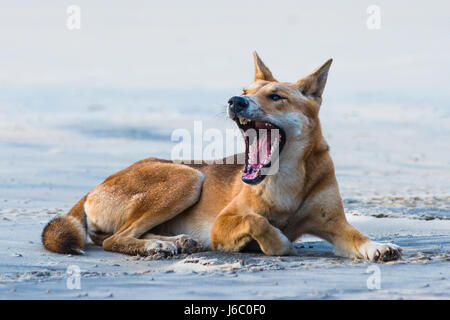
(237,103)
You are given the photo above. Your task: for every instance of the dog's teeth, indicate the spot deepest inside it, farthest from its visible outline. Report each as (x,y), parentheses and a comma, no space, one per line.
(243,121)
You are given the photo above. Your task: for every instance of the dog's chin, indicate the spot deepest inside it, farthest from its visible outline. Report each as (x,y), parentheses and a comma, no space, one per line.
(262,148)
(253,181)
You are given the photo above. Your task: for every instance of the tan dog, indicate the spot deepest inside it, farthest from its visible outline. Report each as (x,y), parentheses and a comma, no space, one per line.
(160,206)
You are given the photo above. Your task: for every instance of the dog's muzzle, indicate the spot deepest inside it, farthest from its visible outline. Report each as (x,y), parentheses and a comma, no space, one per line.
(237,105)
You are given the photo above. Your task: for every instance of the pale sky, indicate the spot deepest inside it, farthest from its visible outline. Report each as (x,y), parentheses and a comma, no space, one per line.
(208,44)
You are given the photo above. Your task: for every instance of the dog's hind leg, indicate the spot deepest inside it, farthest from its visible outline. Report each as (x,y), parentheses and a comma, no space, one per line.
(98,237)
(129,238)
(183,242)
(177,192)
(127,241)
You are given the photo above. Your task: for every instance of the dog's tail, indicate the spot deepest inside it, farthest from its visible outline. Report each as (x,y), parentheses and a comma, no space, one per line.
(67,234)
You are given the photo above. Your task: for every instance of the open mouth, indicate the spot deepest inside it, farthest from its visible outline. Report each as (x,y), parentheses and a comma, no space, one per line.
(263,144)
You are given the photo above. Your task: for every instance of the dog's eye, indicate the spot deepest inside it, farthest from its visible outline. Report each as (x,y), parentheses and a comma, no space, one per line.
(274,97)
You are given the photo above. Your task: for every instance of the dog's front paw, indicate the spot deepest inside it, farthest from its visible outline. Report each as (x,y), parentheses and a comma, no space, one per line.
(375,251)
(165,248)
(186,244)
(282,247)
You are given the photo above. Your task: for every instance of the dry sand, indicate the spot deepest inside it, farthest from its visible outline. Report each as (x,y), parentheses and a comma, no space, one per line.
(27,271)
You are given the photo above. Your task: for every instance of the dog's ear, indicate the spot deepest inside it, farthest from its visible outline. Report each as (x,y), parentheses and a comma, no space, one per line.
(261,71)
(313,84)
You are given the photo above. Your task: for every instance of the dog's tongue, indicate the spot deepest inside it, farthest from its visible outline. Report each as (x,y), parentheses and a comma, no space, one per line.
(260,149)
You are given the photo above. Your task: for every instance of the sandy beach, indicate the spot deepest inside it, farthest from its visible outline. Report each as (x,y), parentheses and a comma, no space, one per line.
(402,201)
(77,107)
(27,271)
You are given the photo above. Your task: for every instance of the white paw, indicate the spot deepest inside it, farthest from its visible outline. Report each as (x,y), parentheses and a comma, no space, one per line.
(164,247)
(288,247)
(375,251)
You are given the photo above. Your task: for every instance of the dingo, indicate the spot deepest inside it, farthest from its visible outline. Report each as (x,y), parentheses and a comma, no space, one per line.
(158,206)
